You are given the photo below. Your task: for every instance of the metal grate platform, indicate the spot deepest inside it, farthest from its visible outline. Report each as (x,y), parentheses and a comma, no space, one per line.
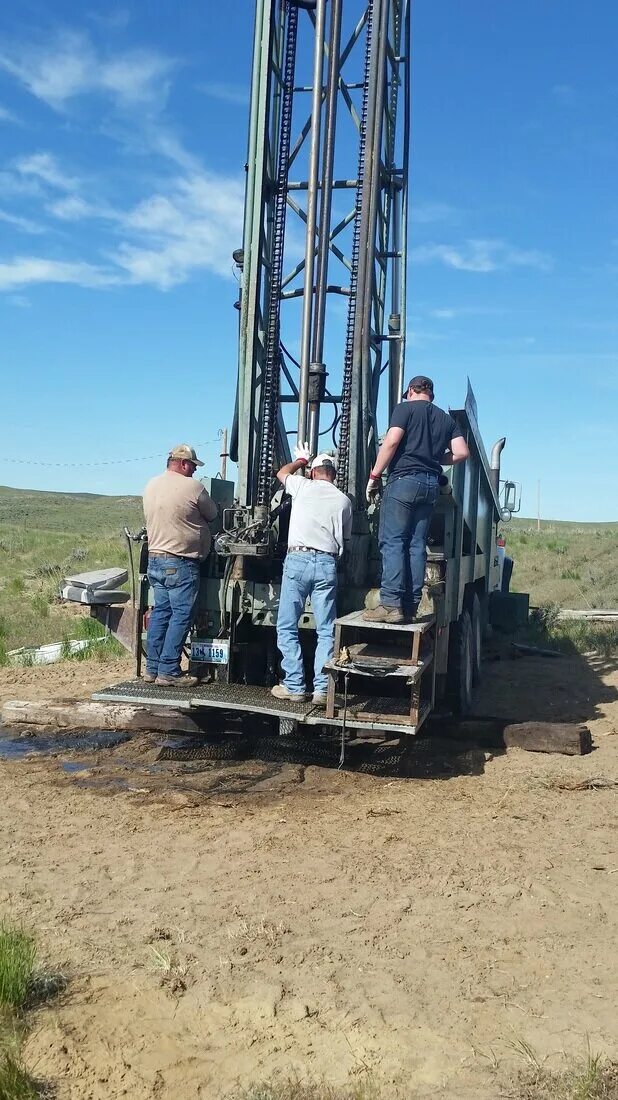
(227,696)
(258,700)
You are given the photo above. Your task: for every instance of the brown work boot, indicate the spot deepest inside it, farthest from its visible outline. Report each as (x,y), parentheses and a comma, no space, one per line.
(149,678)
(382,614)
(319,698)
(183,681)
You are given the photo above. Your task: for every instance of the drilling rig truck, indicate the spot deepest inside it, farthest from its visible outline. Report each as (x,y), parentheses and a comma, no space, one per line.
(321,357)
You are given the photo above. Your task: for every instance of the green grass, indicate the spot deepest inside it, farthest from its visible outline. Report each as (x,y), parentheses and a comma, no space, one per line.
(546,630)
(17,962)
(22,987)
(44,536)
(568,564)
(15,1082)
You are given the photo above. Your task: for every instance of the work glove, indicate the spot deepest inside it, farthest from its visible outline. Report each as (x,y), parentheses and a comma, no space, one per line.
(302,453)
(374,489)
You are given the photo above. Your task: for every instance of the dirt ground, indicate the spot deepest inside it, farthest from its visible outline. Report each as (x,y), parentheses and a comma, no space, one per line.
(220,923)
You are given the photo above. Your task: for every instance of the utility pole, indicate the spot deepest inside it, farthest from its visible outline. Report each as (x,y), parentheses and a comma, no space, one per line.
(224,454)
(538,505)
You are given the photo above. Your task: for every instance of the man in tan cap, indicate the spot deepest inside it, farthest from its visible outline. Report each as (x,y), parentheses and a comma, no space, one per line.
(178,511)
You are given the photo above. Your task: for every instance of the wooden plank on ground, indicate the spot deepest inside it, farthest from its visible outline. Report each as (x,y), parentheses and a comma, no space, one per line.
(74,715)
(569,738)
(564,737)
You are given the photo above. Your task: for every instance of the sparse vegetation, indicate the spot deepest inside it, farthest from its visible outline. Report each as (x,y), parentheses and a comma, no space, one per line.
(292,1088)
(17,960)
(44,536)
(545,628)
(592,1078)
(15,1082)
(22,986)
(566,564)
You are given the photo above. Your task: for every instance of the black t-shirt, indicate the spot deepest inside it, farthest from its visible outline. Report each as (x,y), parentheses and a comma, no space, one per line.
(428,431)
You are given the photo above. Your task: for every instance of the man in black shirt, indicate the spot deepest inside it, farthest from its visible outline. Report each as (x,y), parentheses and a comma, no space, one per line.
(421,440)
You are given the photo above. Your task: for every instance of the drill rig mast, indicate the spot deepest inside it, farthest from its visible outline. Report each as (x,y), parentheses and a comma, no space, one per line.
(322,304)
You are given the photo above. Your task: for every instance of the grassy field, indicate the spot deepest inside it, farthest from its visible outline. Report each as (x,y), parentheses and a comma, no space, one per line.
(569,564)
(42,537)
(45,535)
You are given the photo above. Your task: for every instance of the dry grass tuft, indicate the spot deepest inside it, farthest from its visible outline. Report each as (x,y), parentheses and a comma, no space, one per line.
(563,783)
(262,929)
(593,1079)
(292,1088)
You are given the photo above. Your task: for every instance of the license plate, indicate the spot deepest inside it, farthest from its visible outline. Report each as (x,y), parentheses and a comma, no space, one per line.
(212,651)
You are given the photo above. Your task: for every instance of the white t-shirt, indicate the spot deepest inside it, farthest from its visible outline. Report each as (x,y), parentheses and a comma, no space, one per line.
(321,516)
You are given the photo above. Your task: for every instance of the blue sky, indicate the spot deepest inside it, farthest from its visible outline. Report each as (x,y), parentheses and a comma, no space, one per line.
(123,140)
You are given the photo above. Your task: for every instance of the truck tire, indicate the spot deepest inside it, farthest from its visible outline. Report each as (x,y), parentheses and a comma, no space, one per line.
(476,619)
(460,664)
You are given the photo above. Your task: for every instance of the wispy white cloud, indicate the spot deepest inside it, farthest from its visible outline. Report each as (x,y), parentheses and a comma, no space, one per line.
(70,66)
(423,213)
(226,93)
(188,226)
(25,270)
(453,313)
(481,256)
(18,300)
(45,167)
(194,227)
(15,186)
(417,337)
(6,115)
(117,20)
(444,314)
(187,223)
(26,225)
(565,94)
(72,208)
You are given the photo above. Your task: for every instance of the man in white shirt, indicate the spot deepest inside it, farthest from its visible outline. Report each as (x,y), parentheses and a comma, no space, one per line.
(320,521)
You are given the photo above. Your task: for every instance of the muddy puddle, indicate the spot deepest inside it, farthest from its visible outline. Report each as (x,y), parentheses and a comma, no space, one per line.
(16,746)
(108,762)
(189,770)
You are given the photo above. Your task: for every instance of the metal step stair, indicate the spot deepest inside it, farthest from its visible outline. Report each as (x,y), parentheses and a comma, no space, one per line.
(402,653)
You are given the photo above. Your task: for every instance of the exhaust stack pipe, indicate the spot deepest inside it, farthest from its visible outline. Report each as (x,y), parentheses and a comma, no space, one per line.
(494,464)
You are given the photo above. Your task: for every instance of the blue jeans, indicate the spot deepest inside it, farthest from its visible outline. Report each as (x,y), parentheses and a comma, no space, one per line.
(307,574)
(175,583)
(404,522)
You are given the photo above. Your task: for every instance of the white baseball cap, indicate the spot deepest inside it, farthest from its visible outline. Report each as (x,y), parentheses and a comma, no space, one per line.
(324,460)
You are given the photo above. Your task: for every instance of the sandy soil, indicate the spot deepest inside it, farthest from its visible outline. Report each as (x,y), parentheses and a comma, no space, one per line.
(65,680)
(219,923)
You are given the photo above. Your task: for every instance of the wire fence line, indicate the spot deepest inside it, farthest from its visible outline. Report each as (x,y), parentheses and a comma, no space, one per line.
(102,462)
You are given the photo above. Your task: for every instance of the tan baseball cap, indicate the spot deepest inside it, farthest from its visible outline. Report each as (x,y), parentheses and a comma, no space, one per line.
(184,453)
